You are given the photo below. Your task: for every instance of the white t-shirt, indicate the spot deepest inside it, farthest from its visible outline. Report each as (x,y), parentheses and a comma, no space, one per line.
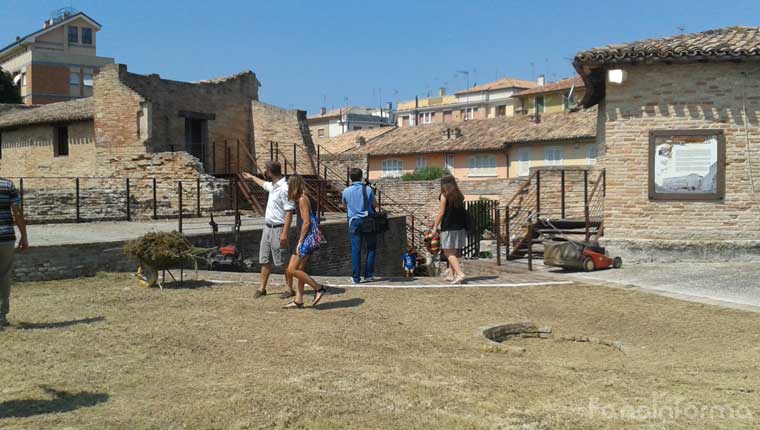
(277,203)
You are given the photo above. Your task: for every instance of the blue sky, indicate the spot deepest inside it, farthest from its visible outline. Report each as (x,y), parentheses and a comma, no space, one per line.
(305,52)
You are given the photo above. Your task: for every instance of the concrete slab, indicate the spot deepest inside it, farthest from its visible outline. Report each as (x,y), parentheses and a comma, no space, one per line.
(115,231)
(724,283)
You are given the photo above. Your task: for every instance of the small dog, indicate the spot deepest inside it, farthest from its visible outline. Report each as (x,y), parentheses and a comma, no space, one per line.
(410,262)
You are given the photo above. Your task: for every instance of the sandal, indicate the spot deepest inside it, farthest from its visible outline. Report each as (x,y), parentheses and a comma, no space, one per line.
(259,293)
(293,305)
(318,295)
(287,294)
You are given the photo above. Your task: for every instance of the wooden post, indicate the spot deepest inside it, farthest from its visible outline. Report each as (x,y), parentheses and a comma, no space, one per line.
(497,232)
(77,199)
(179,190)
(129,211)
(538,193)
(155,200)
(198,197)
(562,199)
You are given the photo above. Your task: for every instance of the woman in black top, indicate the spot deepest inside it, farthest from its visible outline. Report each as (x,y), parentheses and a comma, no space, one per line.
(451,222)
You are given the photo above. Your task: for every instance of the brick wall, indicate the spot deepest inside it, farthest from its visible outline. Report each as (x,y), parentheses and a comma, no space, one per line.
(288,128)
(420,198)
(72,261)
(28,151)
(44,79)
(690,96)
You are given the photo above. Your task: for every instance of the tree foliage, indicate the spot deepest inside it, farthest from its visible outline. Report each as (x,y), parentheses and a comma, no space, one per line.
(425,174)
(9,93)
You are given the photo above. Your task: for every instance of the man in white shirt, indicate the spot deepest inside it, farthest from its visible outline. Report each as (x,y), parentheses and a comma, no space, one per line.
(279,214)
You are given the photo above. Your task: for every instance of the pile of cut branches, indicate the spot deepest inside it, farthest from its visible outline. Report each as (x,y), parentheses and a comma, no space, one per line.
(163,251)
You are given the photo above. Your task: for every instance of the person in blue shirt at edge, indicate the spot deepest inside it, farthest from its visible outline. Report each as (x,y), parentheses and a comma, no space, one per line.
(353,198)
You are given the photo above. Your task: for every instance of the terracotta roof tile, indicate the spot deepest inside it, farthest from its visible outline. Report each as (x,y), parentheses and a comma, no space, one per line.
(73,110)
(484,134)
(500,84)
(347,141)
(725,43)
(564,84)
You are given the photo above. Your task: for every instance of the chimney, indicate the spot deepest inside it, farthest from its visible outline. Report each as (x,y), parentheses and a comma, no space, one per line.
(457,132)
(541,80)
(360,141)
(322,110)
(441,91)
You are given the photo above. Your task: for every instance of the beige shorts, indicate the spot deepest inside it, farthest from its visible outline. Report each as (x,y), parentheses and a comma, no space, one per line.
(270,246)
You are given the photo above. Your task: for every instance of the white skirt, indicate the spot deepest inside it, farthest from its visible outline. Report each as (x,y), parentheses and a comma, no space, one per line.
(454,239)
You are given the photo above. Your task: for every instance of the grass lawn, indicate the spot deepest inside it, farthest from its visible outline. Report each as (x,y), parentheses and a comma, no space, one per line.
(102,353)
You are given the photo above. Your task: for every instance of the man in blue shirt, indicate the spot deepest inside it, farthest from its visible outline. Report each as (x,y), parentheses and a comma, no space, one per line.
(11,214)
(358,210)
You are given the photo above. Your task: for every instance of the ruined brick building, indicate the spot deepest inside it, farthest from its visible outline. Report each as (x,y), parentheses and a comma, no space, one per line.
(145,127)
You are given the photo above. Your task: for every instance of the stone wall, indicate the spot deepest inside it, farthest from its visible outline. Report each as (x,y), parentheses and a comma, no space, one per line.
(687,96)
(51,200)
(337,164)
(72,261)
(286,128)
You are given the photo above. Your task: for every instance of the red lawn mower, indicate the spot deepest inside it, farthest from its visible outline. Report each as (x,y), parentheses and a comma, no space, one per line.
(561,251)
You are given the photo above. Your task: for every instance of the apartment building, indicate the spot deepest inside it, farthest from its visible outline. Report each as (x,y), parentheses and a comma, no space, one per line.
(58,62)
(552,97)
(490,100)
(329,124)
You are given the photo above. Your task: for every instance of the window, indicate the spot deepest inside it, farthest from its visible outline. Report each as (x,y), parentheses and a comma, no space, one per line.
(87,78)
(86,36)
(405,121)
(320,133)
(524,167)
(552,157)
(73,34)
(61,142)
(591,154)
(449,163)
(392,168)
(421,162)
(539,103)
(74,78)
(687,165)
(469,113)
(483,165)
(501,110)
(427,117)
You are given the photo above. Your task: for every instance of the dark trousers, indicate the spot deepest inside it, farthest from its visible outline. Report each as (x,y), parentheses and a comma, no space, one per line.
(357,237)
(7,253)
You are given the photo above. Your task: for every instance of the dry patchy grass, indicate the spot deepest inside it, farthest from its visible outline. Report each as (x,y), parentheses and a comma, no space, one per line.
(102,353)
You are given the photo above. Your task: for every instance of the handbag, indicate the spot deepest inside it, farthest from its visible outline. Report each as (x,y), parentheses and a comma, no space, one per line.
(375,222)
(314,239)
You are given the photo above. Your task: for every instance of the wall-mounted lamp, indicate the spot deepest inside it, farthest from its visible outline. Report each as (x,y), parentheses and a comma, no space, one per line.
(616,76)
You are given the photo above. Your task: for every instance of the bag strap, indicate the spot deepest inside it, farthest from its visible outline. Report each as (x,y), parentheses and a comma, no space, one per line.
(366,199)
